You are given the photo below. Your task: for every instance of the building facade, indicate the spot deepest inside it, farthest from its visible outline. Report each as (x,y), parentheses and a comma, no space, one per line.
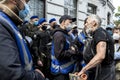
(76,8)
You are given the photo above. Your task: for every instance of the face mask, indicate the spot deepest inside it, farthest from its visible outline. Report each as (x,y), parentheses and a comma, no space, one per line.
(116,36)
(35,23)
(88,30)
(23,13)
(44,28)
(110,32)
(54,26)
(69,27)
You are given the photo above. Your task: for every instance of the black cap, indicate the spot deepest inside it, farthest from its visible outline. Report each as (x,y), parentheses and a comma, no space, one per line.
(65,17)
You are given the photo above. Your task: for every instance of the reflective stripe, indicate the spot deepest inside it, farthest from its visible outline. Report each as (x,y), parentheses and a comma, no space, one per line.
(61,67)
(67,64)
(28,66)
(28,63)
(55,66)
(81,38)
(53,57)
(64,66)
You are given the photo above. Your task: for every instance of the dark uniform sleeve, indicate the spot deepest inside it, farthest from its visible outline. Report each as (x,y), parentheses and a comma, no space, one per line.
(59,44)
(10,65)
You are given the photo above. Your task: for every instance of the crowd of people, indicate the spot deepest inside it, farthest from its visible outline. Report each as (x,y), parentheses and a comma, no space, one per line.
(38,49)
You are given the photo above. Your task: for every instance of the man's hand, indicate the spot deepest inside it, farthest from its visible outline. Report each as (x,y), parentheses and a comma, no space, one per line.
(70,32)
(40,72)
(81,72)
(72,48)
(81,75)
(39,62)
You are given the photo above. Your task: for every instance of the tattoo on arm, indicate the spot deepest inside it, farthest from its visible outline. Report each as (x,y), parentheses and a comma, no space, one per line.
(103,44)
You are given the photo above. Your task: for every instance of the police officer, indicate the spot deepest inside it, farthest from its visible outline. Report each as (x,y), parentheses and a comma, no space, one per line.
(43,39)
(15,57)
(53,25)
(32,26)
(34,20)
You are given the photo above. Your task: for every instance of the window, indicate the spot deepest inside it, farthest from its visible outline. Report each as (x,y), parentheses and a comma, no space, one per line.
(108,18)
(70,8)
(37,7)
(91,9)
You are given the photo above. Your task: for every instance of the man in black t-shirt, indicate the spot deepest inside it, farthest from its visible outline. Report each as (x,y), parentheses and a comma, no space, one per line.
(98,52)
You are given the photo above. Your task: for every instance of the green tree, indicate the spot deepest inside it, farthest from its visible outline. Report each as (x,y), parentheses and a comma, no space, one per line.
(117,22)
(117,15)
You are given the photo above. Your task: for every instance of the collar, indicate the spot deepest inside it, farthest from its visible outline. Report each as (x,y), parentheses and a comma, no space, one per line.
(99,28)
(61,30)
(11,14)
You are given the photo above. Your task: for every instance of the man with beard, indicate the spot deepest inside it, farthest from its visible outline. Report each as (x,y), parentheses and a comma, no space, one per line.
(15,57)
(99,52)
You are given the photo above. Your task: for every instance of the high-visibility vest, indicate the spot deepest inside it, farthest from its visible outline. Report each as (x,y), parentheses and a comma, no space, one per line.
(81,39)
(25,56)
(64,66)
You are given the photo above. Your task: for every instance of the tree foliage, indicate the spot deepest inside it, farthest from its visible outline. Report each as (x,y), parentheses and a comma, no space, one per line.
(117,15)
(117,22)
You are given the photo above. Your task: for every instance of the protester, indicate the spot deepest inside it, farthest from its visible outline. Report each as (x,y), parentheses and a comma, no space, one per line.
(15,58)
(99,53)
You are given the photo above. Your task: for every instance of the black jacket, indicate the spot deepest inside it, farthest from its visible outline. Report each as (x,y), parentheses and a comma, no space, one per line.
(10,64)
(44,39)
(59,40)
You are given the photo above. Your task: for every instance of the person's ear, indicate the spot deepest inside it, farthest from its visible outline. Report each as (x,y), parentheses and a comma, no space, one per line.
(63,22)
(94,23)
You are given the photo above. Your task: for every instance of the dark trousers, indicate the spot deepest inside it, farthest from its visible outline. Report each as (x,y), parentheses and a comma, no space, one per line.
(105,73)
(61,77)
